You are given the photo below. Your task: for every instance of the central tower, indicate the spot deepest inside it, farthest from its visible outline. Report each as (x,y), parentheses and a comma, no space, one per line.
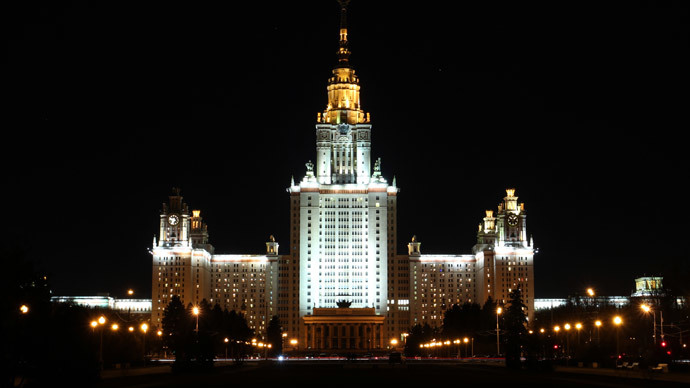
(343,133)
(342,213)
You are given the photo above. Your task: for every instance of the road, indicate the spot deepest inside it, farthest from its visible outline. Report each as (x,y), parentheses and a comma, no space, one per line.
(381,374)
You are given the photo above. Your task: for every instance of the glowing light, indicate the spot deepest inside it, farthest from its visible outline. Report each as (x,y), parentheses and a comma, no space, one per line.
(556,328)
(578,326)
(115,326)
(617,320)
(499,310)
(144,327)
(195,310)
(101,320)
(24,309)
(566,326)
(394,342)
(645,308)
(597,323)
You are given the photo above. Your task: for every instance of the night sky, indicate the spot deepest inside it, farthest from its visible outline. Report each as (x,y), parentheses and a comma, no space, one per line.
(580,106)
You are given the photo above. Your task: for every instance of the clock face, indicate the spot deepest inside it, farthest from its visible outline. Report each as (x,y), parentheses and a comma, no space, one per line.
(173,220)
(513,219)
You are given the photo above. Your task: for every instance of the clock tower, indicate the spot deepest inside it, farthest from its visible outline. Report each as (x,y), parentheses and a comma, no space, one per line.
(174,222)
(505,256)
(181,257)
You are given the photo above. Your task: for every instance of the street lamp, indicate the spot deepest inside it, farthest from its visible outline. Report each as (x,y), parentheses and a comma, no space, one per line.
(24,309)
(498,346)
(466,341)
(226,340)
(578,326)
(195,311)
(617,320)
(94,324)
(144,328)
(647,309)
(567,339)
(597,323)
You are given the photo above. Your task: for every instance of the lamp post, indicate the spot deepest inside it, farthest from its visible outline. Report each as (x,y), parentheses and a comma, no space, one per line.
(144,329)
(617,320)
(578,326)
(226,340)
(597,323)
(159,333)
(647,309)
(99,322)
(567,340)
(195,311)
(466,341)
(557,329)
(498,341)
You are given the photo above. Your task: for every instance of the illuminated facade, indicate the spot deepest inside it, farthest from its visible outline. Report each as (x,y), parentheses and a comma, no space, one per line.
(342,247)
(502,260)
(342,214)
(184,264)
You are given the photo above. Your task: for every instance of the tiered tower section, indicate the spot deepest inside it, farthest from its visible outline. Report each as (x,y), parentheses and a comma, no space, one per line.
(342,212)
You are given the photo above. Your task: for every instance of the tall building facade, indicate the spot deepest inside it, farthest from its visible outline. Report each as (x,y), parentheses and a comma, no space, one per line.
(343,242)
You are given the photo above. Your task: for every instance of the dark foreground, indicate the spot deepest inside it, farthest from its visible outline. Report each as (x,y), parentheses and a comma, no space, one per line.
(419,374)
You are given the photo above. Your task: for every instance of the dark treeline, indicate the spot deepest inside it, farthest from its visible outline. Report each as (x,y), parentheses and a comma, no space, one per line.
(42,343)
(568,334)
(196,339)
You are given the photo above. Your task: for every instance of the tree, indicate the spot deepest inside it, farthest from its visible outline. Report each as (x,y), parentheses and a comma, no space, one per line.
(177,327)
(461,320)
(274,336)
(516,332)
(45,344)
(418,335)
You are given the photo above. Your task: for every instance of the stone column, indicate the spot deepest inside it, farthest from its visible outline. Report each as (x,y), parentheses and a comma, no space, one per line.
(357,326)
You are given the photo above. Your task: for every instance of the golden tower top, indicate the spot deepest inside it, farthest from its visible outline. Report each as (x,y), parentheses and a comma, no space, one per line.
(343,87)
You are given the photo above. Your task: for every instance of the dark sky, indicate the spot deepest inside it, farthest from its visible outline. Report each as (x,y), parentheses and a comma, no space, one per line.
(580,106)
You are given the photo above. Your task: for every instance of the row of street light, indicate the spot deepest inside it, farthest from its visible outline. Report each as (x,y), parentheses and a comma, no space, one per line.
(433,344)
(144,327)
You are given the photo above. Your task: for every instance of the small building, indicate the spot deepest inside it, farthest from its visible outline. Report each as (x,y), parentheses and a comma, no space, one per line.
(342,329)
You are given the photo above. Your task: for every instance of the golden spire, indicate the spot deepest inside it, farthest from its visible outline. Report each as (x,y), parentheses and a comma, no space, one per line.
(343,87)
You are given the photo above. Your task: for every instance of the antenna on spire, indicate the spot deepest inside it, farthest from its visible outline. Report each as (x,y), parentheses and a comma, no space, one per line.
(343,51)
